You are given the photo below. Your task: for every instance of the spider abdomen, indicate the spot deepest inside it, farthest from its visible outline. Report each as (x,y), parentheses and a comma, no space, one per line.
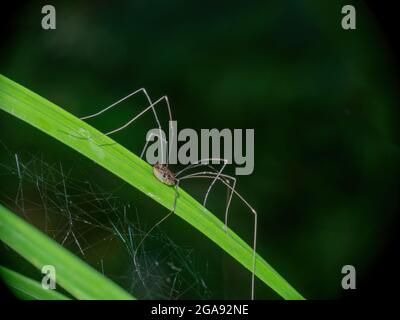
(162,173)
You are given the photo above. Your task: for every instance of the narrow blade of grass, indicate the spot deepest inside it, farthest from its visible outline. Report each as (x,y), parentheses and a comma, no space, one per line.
(75,276)
(63,126)
(26,288)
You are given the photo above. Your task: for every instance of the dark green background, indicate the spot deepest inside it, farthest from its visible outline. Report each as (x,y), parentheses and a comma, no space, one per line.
(322,101)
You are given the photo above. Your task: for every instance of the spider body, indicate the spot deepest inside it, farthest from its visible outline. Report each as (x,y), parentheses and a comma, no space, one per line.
(162,173)
(167,177)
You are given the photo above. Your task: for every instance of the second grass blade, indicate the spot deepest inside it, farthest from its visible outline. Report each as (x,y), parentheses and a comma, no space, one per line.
(75,276)
(27,289)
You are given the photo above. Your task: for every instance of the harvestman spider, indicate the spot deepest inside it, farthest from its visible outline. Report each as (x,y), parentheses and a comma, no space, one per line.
(165,175)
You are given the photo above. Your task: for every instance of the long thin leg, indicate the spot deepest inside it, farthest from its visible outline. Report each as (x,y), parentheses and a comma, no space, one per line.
(230,193)
(139,115)
(205,162)
(201,162)
(152,228)
(151,106)
(118,102)
(148,140)
(211,175)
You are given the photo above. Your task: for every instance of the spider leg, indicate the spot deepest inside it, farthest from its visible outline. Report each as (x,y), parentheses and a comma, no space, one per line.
(212,175)
(151,229)
(150,107)
(148,139)
(114,104)
(201,162)
(205,162)
(229,190)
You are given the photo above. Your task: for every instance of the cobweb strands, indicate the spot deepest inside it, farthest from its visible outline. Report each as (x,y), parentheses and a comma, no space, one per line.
(95,225)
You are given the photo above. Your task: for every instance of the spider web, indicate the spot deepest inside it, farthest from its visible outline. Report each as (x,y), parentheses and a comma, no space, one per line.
(98,227)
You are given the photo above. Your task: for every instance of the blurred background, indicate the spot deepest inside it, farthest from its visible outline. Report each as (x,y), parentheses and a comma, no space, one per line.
(323,102)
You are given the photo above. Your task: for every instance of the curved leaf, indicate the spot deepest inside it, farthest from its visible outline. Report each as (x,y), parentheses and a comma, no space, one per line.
(63,126)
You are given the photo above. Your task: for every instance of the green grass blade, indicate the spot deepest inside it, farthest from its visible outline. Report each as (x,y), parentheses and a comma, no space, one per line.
(75,276)
(26,288)
(63,126)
